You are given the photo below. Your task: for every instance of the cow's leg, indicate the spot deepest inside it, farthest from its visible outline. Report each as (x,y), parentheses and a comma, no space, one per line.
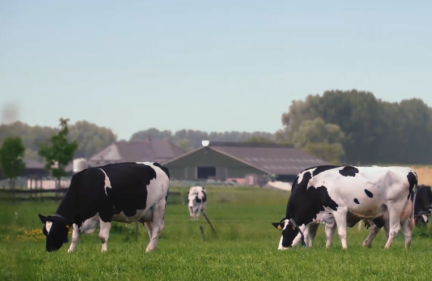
(329,231)
(198,211)
(191,212)
(313,227)
(158,224)
(395,211)
(340,218)
(148,225)
(407,230)
(297,239)
(374,229)
(386,228)
(104,233)
(75,238)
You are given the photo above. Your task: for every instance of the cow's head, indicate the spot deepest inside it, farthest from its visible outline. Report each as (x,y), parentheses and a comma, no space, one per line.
(56,230)
(290,230)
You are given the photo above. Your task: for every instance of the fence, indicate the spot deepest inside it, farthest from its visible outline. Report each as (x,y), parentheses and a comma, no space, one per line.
(57,195)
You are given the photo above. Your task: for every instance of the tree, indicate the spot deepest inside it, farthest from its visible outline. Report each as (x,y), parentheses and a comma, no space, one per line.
(91,138)
(184,144)
(11,158)
(60,152)
(259,140)
(320,139)
(376,132)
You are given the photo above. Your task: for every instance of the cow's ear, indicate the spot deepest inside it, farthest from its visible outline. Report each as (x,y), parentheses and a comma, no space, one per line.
(42,218)
(277,225)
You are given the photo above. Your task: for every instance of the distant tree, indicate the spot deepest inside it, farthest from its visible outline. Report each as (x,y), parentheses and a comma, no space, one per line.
(194,137)
(91,138)
(259,140)
(59,153)
(184,144)
(151,132)
(376,132)
(11,158)
(320,139)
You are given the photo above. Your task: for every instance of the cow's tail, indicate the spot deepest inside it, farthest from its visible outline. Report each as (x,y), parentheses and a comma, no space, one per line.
(414,191)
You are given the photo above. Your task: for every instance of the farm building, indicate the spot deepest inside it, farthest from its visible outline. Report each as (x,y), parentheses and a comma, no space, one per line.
(136,151)
(234,161)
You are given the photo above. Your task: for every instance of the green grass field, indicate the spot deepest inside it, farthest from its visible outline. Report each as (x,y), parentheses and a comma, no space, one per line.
(244,249)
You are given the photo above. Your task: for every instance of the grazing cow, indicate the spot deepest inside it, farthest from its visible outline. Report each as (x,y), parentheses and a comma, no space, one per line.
(197,199)
(124,192)
(348,192)
(422,207)
(327,219)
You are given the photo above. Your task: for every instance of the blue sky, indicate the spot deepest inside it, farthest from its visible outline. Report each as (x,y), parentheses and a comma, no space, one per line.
(207,65)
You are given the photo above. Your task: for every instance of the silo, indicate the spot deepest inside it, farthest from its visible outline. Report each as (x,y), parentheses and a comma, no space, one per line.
(79,164)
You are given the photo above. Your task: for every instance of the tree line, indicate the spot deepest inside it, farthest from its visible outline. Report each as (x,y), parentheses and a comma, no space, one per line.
(355,127)
(350,127)
(57,153)
(190,139)
(91,138)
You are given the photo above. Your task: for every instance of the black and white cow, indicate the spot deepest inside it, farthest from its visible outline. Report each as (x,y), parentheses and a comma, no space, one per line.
(124,192)
(327,219)
(422,206)
(197,199)
(347,192)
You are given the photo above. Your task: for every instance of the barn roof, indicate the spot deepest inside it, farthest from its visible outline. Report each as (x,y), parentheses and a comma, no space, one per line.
(269,158)
(137,151)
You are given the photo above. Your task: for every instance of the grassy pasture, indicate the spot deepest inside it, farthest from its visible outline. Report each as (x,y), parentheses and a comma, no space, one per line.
(244,249)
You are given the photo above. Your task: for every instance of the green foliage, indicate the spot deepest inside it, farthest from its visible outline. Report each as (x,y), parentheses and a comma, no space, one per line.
(259,140)
(375,131)
(184,144)
(194,137)
(91,138)
(60,152)
(320,139)
(11,158)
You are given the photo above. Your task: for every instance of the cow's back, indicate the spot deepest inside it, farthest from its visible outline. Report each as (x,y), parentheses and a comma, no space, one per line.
(371,184)
(124,187)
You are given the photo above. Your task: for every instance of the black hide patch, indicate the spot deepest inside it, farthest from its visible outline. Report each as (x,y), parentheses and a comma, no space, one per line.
(323,168)
(165,169)
(412,179)
(127,192)
(349,171)
(307,203)
(379,222)
(305,180)
(129,187)
(356,201)
(423,199)
(368,193)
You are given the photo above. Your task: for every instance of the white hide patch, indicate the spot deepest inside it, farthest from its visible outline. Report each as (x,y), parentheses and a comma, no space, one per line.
(195,192)
(48,226)
(89,225)
(107,182)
